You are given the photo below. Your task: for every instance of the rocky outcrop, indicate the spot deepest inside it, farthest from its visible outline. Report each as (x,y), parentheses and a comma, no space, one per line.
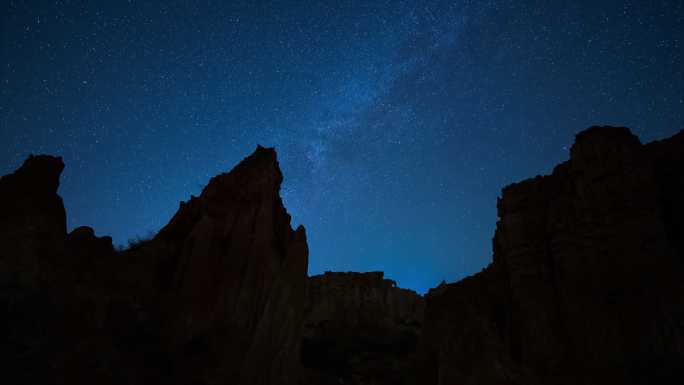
(585,287)
(217,297)
(586,283)
(238,274)
(32,220)
(360,328)
(32,241)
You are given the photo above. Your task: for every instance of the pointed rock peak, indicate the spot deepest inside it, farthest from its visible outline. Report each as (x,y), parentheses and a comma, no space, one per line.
(38,174)
(262,148)
(300,234)
(268,154)
(265,152)
(255,181)
(258,172)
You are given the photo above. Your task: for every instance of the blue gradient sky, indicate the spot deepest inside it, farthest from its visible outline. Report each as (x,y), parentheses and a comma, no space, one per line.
(396,123)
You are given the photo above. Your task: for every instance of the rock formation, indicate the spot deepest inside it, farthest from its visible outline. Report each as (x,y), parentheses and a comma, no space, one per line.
(360,329)
(33,221)
(217,297)
(585,287)
(586,284)
(238,275)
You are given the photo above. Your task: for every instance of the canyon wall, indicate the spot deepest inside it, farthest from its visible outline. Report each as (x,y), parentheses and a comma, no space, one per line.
(585,287)
(217,297)
(586,284)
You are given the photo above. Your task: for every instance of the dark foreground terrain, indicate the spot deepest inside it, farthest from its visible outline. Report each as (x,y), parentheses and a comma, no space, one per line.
(586,286)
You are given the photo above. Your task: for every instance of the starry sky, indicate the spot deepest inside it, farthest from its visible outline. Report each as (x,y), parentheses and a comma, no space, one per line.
(396,123)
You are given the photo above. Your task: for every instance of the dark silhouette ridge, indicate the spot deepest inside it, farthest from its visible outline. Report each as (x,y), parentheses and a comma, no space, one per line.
(218,294)
(586,283)
(585,287)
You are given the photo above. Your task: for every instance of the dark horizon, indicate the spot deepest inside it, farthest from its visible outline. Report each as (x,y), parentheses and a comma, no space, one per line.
(396,125)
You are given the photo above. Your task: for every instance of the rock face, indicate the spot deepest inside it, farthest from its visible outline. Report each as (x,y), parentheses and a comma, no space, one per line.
(360,329)
(586,287)
(586,282)
(239,274)
(217,297)
(32,221)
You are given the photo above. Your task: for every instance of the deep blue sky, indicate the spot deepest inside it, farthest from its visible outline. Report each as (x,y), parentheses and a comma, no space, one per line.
(396,123)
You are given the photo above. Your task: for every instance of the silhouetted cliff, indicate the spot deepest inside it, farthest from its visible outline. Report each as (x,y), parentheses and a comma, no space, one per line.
(586,284)
(216,297)
(585,287)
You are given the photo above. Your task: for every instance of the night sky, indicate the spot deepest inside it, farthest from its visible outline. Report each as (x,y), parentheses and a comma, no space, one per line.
(396,123)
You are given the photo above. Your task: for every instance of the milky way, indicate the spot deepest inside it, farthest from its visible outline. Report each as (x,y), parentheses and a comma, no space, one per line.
(396,123)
